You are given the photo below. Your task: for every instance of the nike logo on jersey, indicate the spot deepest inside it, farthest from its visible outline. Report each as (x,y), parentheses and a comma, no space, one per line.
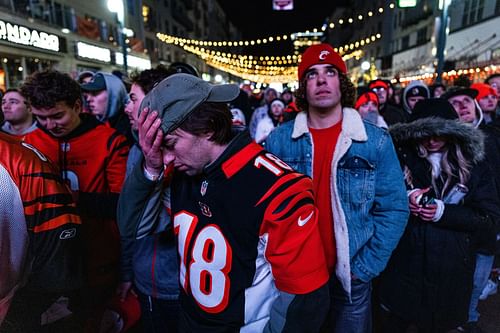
(301,222)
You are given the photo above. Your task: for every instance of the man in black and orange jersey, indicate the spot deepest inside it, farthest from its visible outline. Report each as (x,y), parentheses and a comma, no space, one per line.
(250,252)
(39,236)
(92,159)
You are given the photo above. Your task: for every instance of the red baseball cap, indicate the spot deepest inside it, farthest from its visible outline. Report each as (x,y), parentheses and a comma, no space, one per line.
(321,54)
(365,98)
(483,90)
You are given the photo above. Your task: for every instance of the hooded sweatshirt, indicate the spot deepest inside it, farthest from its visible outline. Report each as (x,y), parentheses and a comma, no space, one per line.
(413,84)
(115,116)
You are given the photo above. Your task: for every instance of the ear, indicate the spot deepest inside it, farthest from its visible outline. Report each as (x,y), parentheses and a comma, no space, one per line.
(77,107)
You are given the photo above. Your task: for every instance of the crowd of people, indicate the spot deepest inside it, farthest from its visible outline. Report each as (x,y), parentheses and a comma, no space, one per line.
(163,203)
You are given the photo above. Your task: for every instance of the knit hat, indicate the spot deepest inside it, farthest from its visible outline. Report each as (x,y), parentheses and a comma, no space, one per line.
(433,107)
(320,54)
(483,90)
(378,84)
(278,101)
(178,95)
(417,91)
(368,96)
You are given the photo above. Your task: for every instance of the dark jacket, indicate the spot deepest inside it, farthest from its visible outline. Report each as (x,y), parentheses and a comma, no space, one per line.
(393,115)
(428,280)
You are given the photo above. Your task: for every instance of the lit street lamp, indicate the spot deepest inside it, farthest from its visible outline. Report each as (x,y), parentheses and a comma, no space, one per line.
(116,6)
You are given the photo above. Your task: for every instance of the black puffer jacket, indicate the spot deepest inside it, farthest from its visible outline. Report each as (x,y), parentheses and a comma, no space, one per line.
(428,280)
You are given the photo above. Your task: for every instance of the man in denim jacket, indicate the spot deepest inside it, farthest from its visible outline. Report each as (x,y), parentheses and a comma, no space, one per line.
(358,183)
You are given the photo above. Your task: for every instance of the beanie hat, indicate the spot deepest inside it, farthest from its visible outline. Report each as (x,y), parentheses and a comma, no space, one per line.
(365,98)
(433,107)
(320,54)
(278,101)
(417,91)
(483,90)
(378,84)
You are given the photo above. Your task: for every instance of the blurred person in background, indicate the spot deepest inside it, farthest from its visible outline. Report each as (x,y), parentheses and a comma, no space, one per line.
(391,114)
(487,98)
(17,113)
(106,97)
(273,119)
(367,106)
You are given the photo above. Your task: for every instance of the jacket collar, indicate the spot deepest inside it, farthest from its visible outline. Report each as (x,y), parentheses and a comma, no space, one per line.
(352,125)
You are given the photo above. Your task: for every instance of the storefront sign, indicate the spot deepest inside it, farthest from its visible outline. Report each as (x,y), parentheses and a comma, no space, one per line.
(133,61)
(19,34)
(84,50)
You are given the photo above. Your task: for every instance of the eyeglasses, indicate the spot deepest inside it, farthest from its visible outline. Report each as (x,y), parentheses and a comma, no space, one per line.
(461,103)
(377,89)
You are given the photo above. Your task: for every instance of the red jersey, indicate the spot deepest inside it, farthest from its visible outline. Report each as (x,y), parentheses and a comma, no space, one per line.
(92,159)
(325,141)
(39,226)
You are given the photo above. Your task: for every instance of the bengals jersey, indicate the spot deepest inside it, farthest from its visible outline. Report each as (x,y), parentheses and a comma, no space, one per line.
(39,227)
(247,230)
(92,160)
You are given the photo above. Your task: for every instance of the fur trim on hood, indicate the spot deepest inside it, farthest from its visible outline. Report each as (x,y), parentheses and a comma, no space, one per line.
(470,139)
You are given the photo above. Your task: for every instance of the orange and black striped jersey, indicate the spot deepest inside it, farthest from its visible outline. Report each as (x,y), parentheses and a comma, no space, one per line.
(92,160)
(247,228)
(39,226)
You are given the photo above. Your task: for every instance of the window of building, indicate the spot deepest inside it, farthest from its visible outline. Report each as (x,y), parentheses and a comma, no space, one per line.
(473,12)
(422,36)
(405,42)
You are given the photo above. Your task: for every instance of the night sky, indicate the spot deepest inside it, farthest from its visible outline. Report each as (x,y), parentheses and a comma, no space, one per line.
(257,19)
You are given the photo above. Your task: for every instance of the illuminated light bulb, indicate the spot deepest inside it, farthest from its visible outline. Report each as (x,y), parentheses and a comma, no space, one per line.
(278,38)
(246,43)
(381,10)
(264,41)
(370,13)
(391,6)
(331,25)
(285,37)
(360,17)
(341,21)
(336,49)
(271,39)
(258,41)
(350,20)
(252,42)
(378,35)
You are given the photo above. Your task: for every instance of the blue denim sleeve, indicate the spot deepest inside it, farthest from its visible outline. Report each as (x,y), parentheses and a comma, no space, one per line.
(390,213)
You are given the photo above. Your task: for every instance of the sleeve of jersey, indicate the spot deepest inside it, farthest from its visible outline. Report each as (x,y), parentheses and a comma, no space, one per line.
(118,149)
(54,230)
(294,248)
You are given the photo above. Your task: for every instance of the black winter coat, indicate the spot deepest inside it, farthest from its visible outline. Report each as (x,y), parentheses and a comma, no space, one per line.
(428,280)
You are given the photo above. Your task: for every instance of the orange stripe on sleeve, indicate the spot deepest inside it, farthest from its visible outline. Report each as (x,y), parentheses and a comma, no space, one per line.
(57,222)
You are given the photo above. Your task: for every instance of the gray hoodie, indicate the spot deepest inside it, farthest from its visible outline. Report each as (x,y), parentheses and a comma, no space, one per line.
(413,84)
(117,95)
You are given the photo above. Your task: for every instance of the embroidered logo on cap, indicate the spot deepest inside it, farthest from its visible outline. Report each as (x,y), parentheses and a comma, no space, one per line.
(323,55)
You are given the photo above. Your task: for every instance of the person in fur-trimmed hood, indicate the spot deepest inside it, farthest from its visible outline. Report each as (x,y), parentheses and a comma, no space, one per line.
(428,280)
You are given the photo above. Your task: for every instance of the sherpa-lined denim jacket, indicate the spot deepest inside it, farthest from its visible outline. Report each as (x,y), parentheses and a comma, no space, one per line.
(369,202)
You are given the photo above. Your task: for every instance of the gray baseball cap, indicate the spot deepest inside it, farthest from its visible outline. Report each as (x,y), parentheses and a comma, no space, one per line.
(178,95)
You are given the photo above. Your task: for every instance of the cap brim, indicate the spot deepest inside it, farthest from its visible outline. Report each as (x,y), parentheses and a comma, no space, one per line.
(223,93)
(472,93)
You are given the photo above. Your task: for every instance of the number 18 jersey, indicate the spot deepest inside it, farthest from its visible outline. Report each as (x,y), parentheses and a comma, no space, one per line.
(247,229)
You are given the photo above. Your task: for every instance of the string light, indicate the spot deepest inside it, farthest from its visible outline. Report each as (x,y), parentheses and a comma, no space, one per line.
(450,74)
(270,39)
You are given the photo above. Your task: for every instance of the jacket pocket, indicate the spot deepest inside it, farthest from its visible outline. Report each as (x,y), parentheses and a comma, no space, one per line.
(356,180)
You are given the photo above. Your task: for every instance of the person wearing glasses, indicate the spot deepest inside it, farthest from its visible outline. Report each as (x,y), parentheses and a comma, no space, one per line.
(391,114)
